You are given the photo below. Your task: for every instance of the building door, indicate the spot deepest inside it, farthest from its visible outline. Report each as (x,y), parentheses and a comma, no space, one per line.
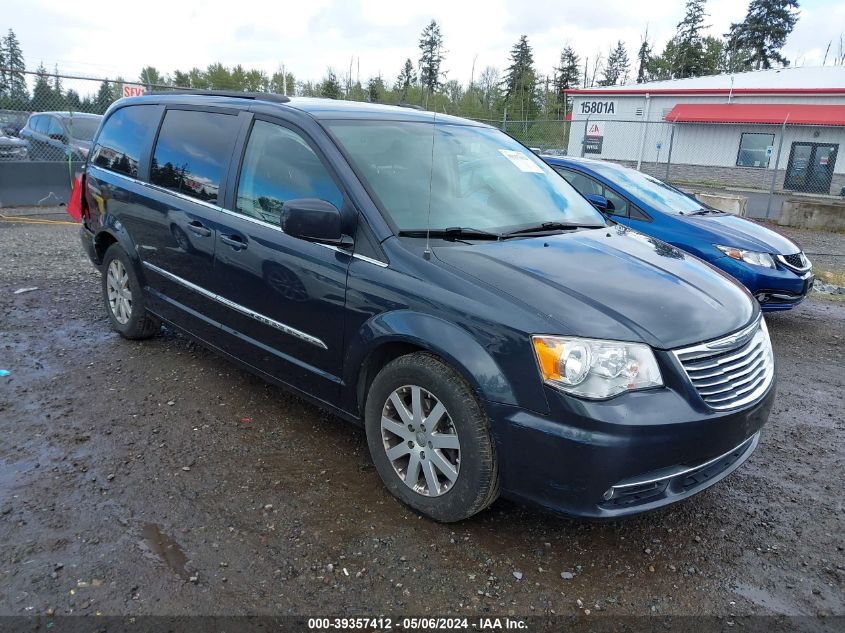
(810,167)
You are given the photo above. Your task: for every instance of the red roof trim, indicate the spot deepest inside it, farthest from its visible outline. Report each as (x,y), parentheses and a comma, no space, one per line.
(703,91)
(795,114)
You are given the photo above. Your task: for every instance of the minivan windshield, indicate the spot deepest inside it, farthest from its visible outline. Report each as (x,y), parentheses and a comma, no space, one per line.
(481,178)
(661,196)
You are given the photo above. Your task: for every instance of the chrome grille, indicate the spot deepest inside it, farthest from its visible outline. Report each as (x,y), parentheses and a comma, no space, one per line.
(732,371)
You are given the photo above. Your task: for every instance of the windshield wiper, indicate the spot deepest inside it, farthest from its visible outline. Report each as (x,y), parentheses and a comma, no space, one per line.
(454,232)
(705,211)
(546,227)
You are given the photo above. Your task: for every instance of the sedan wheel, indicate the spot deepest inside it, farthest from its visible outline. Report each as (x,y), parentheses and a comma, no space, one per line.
(420,441)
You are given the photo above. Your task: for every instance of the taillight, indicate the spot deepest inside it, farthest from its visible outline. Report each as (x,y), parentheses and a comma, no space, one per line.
(75,203)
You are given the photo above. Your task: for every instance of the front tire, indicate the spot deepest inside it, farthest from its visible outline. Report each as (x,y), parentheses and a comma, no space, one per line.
(124,297)
(430,439)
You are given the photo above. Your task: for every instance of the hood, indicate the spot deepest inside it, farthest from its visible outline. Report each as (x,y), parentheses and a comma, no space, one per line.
(612,284)
(730,230)
(12,141)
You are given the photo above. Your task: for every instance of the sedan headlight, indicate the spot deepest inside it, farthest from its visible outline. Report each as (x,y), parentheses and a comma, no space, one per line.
(749,257)
(593,368)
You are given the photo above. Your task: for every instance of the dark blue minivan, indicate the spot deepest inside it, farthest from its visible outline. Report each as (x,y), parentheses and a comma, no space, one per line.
(432,280)
(771,266)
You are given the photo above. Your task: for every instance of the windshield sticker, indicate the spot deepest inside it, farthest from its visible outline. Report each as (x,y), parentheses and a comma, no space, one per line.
(522,162)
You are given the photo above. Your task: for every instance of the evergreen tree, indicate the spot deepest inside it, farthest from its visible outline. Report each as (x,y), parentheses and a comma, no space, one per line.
(103,99)
(643,59)
(4,79)
(150,77)
(376,89)
(330,86)
(566,76)
(663,66)
(181,79)
(617,66)
(520,81)
(690,47)
(431,56)
(407,77)
(16,90)
(764,30)
(42,92)
(72,101)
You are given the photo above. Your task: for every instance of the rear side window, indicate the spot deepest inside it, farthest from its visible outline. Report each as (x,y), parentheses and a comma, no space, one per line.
(192,151)
(280,166)
(122,138)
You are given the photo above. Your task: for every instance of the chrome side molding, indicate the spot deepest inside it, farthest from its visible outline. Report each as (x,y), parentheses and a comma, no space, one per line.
(278,325)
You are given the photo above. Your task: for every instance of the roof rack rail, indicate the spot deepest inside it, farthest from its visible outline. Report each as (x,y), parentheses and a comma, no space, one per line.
(412,106)
(257,96)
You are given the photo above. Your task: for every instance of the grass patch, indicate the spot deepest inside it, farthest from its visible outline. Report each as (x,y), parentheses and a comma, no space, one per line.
(830,277)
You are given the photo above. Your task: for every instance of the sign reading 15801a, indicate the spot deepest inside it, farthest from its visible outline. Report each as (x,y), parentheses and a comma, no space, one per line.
(598,107)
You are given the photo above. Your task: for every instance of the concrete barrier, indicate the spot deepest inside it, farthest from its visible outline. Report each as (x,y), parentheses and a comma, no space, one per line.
(809,213)
(736,205)
(24,184)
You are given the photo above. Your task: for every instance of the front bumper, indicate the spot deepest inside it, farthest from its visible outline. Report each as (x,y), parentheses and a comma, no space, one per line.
(775,289)
(623,456)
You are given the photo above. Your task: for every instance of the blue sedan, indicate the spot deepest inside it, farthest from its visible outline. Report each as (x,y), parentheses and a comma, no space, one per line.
(771,266)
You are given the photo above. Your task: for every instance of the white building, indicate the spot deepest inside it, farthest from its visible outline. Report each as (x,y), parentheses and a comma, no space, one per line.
(724,130)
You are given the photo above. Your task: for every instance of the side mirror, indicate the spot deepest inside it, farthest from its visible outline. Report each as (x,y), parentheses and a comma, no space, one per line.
(599,202)
(314,220)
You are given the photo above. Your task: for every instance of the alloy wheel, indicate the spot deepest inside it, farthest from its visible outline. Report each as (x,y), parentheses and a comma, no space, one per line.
(421,441)
(119,293)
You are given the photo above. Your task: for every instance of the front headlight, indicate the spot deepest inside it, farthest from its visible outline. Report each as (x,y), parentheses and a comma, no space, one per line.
(593,368)
(749,257)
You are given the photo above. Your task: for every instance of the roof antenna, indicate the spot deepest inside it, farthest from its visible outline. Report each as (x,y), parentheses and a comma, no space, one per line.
(427,251)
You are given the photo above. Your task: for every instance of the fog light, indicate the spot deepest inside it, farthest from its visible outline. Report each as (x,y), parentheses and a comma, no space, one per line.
(608,494)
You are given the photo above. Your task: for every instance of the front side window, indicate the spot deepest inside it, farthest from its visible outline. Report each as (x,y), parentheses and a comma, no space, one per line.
(279,166)
(192,151)
(754,149)
(54,128)
(443,175)
(124,133)
(587,186)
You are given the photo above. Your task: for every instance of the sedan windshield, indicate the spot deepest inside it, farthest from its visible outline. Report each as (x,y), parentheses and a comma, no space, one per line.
(656,193)
(481,178)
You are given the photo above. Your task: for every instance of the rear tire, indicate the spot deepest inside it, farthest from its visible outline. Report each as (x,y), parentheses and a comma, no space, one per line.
(124,298)
(430,439)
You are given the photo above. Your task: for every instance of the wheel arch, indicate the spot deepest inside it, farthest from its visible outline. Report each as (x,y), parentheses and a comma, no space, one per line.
(391,335)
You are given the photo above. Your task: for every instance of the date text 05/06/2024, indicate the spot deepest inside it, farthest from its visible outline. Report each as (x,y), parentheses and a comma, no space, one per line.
(416,624)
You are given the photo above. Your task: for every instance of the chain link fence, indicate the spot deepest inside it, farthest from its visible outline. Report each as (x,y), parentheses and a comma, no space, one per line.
(52,118)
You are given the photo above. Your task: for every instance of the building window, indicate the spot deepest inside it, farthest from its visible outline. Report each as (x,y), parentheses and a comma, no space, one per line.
(754,149)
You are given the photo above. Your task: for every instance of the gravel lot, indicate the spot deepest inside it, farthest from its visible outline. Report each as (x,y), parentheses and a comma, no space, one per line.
(155,478)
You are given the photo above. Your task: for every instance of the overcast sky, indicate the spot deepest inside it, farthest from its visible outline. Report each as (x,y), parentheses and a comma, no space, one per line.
(108,38)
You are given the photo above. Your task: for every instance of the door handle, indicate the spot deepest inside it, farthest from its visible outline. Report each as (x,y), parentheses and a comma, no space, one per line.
(235,241)
(198,228)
